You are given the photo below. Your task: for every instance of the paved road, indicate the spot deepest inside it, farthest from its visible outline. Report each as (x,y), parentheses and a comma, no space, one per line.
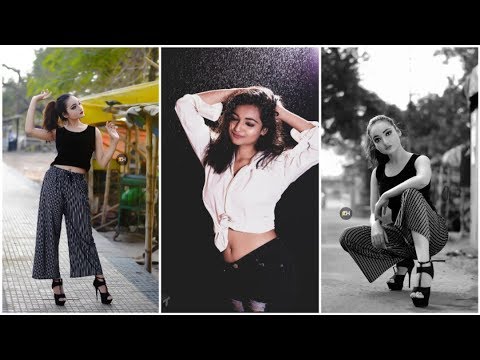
(344,289)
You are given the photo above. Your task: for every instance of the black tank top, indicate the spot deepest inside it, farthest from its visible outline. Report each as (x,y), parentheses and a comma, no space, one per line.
(75,148)
(385,183)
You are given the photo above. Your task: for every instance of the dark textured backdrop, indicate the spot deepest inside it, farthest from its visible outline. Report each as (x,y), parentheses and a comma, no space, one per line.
(190,261)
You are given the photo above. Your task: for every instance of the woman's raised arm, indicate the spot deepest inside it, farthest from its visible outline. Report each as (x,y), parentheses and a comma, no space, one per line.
(294,120)
(192,109)
(30,129)
(216,96)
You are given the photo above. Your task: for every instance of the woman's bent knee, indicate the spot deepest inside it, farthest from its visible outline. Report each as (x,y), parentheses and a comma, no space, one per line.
(345,239)
(411,193)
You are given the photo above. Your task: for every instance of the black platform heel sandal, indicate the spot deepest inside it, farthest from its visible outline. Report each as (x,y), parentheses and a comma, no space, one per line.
(103,296)
(60,299)
(425,291)
(396,281)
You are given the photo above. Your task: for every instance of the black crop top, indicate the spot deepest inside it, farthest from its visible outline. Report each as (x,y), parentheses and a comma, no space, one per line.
(75,148)
(385,183)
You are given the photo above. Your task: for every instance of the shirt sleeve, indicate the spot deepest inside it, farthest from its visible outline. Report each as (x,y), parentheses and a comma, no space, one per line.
(304,155)
(191,110)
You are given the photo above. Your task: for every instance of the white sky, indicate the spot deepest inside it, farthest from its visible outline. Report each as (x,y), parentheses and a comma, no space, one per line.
(331,163)
(20,57)
(393,72)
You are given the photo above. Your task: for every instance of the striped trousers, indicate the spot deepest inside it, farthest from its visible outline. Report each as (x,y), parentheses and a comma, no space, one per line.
(64,193)
(415,215)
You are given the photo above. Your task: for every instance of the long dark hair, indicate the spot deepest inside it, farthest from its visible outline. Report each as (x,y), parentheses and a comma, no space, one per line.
(374,156)
(53,111)
(220,151)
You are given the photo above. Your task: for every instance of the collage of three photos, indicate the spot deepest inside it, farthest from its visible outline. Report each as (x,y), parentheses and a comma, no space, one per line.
(218,180)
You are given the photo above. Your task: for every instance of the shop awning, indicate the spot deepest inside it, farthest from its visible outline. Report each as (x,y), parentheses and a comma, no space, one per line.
(94,105)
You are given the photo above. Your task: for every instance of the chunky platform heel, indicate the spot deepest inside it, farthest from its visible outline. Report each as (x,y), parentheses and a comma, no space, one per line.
(60,299)
(103,296)
(421,295)
(396,281)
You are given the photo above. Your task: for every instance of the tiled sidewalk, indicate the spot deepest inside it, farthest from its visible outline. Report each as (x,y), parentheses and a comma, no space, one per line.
(134,290)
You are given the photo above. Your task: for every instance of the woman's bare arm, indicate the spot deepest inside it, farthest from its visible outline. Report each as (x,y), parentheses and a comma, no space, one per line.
(30,129)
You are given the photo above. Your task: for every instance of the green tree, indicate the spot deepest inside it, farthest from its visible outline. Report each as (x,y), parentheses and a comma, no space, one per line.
(13,92)
(84,71)
(340,93)
(346,106)
(437,117)
(442,117)
(469,57)
(80,71)
(346,109)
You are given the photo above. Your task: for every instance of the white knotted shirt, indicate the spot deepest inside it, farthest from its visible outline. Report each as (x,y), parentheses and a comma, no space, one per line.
(245,201)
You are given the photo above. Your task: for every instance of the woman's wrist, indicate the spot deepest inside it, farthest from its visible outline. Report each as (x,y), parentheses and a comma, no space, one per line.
(280,111)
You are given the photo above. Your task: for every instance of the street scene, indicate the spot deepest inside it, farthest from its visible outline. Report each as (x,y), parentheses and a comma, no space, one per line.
(116,94)
(410,115)
(345,289)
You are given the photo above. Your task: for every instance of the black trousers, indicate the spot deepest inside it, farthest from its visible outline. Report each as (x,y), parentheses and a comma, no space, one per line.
(64,193)
(415,215)
(264,275)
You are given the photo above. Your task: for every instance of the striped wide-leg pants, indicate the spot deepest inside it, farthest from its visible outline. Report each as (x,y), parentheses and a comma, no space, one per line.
(415,215)
(64,193)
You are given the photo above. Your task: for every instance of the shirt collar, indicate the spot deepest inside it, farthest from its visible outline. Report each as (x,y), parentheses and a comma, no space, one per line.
(252,163)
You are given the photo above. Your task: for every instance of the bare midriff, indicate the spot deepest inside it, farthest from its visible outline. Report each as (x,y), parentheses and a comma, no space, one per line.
(71,168)
(241,243)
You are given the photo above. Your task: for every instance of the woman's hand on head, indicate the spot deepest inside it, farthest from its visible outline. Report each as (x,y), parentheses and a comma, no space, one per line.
(45,94)
(112,130)
(279,108)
